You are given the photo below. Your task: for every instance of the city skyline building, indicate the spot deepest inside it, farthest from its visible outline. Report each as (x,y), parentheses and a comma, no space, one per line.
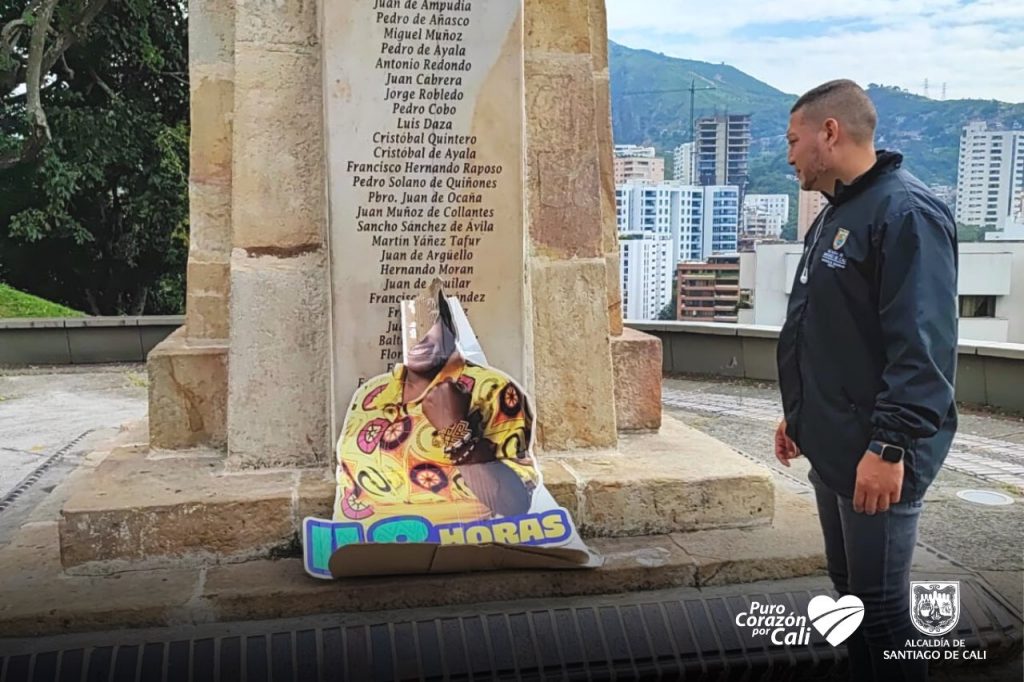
(990,176)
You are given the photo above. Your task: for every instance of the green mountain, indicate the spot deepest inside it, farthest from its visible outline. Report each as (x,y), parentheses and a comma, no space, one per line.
(651,105)
(651,98)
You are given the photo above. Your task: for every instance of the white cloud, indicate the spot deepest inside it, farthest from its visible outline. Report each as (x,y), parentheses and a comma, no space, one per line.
(976,49)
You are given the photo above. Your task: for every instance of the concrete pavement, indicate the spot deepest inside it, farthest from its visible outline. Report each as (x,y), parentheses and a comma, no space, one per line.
(987,454)
(44,410)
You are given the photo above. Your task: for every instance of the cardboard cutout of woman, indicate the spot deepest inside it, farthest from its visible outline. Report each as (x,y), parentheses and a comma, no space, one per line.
(439,437)
(437,455)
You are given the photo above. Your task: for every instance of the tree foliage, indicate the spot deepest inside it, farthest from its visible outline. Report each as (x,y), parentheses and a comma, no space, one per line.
(670,310)
(95,214)
(970,233)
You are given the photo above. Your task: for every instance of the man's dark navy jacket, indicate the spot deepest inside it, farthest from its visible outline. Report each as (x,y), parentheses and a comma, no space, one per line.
(868,351)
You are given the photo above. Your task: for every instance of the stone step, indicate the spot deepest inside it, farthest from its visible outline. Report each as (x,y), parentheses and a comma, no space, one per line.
(37,597)
(144,509)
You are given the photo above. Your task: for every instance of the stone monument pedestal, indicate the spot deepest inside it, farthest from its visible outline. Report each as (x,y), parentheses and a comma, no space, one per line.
(286,312)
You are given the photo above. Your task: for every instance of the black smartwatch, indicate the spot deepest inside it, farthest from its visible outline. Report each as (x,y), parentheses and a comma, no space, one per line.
(889,453)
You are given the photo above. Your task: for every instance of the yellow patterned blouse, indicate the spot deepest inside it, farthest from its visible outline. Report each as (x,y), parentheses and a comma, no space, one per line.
(391,460)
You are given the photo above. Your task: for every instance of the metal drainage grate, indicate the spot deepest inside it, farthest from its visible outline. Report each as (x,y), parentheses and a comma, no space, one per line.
(37,473)
(692,639)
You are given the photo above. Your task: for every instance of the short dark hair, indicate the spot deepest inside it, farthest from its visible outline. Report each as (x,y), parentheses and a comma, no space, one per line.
(844,101)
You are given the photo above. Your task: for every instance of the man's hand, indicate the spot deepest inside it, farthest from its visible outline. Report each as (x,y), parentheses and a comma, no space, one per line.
(446,404)
(785,448)
(878,484)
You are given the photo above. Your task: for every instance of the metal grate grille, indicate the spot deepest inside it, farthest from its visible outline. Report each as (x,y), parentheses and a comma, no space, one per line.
(691,639)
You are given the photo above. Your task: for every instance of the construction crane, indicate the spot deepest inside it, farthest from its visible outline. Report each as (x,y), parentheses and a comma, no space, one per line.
(693,90)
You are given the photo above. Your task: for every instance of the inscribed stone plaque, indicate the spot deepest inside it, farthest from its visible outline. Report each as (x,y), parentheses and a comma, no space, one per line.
(424,118)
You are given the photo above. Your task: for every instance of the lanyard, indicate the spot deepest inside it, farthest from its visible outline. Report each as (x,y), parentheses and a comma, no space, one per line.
(805,274)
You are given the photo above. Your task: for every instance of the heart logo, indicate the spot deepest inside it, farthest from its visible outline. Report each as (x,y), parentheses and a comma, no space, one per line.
(836,620)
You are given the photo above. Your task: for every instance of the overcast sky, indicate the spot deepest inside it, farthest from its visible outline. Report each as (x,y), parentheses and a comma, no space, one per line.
(975,46)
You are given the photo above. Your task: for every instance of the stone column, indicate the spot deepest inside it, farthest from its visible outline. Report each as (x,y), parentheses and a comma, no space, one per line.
(604,144)
(188,371)
(211,79)
(278,383)
(573,380)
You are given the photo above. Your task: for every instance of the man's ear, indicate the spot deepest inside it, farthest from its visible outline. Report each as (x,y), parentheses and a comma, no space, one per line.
(831,128)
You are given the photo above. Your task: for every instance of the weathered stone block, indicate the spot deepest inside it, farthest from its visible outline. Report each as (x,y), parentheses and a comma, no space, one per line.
(211,32)
(210,217)
(563,170)
(279,380)
(558,26)
(599,34)
(603,126)
(792,546)
(212,101)
(614,289)
(677,480)
(187,393)
(316,493)
(291,22)
(135,511)
(636,358)
(572,360)
(206,315)
(278,176)
(561,484)
(208,277)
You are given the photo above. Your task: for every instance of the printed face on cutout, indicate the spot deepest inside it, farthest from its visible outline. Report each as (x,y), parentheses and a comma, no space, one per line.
(433,350)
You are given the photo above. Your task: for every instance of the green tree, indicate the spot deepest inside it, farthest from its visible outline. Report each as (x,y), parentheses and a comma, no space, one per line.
(970,233)
(34,37)
(671,309)
(670,164)
(93,212)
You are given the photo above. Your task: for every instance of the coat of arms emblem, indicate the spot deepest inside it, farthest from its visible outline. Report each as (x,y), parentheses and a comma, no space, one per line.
(841,235)
(935,606)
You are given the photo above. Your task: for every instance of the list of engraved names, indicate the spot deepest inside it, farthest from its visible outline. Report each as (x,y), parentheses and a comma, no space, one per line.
(423,208)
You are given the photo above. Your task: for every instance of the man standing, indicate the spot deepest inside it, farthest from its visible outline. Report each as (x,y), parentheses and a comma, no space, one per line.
(867,360)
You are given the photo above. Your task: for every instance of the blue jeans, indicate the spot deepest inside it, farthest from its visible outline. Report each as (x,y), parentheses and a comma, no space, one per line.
(870,557)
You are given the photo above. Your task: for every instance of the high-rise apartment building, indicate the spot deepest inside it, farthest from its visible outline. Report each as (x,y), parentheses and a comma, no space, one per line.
(990,176)
(662,224)
(723,150)
(764,215)
(633,162)
(809,205)
(684,163)
(645,271)
(701,221)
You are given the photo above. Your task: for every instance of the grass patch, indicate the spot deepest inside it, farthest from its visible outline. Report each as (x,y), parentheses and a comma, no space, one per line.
(14,303)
